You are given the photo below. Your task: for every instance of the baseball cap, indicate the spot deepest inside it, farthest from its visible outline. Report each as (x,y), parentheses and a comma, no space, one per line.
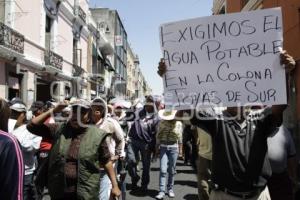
(81,103)
(18,107)
(37,105)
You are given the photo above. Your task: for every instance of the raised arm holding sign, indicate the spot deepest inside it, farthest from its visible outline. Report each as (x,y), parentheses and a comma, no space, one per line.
(226,60)
(230,60)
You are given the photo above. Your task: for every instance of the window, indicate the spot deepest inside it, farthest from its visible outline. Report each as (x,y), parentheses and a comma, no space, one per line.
(125,41)
(118,28)
(2,11)
(119,51)
(48,24)
(117,66)
(76,53)
(122,55)
(125,73)
(48,33)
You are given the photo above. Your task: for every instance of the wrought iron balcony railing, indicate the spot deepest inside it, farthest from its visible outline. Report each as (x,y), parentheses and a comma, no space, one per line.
(79,11)
(82,14)
(11,39)
(77,70)
(54,60)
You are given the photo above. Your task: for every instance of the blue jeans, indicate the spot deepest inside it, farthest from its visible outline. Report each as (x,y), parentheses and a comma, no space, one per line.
(168,158)
(105,186)
(134,148)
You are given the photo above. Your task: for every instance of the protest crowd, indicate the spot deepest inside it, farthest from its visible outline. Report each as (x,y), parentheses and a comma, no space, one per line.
(79,149)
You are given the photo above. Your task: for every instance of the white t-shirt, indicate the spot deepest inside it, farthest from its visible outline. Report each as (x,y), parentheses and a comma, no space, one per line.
(30,145)
(280,147)
(117,143)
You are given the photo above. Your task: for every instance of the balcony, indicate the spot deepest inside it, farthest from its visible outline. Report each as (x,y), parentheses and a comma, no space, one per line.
(77,70)
(11,39)
(78,11)
(53,60)
(81,14)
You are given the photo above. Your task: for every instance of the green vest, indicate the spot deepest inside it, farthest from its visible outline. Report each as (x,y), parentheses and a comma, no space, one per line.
(88,163)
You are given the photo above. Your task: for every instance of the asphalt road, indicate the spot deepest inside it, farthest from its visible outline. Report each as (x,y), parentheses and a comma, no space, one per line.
(185,184)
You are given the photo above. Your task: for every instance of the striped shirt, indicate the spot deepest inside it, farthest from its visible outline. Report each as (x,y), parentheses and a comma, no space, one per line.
(11,168)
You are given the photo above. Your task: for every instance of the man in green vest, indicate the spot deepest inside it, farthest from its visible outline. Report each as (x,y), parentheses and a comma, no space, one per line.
(78,150)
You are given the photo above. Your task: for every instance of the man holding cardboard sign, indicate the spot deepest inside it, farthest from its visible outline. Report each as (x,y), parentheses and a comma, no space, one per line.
(224,60)
(240,167)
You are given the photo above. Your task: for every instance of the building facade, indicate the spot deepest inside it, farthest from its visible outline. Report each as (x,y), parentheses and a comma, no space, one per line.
(110,22)
(57,49)
(137,86)
(131,58)
(100,54)
(291,33)
(42,42)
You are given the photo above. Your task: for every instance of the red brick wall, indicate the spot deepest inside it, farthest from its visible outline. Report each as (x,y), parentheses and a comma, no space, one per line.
(291,29)
(234,5)
(291,22)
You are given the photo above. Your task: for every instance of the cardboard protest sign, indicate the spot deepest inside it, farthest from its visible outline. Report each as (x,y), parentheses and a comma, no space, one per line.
(224,60)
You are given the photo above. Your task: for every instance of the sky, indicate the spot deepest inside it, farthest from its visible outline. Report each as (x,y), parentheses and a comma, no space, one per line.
(142,18)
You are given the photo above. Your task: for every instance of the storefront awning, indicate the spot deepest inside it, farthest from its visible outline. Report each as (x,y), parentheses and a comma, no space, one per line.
(97,53)
(109,65)
(100,56)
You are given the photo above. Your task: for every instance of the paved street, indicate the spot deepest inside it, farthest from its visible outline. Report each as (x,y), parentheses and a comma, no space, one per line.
(185,184)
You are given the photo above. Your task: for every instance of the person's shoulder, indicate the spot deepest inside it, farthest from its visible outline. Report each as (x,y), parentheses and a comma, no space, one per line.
(111,120)
(93,127)
(164,123)
(7,139)
(21,128)
(99,131)
(284,131)
(140,112)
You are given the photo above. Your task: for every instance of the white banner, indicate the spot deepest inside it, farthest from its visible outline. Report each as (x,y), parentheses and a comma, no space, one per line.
(225,60)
